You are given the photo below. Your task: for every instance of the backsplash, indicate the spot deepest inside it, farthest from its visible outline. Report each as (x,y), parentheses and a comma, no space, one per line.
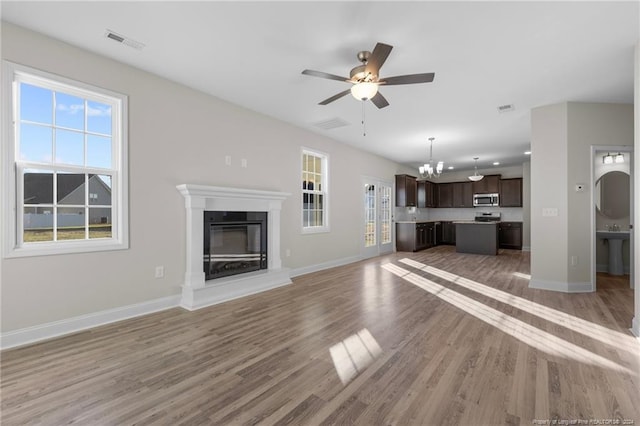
(509,214)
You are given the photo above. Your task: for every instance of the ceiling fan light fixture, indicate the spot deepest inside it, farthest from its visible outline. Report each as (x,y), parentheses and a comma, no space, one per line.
(364,91)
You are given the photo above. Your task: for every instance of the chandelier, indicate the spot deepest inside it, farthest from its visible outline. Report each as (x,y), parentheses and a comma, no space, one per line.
(427,170)
(475,176)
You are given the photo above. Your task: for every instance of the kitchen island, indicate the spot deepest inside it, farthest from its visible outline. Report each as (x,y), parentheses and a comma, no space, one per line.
(477,237)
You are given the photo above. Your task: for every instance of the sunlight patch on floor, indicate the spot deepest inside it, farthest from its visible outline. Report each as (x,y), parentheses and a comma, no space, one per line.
(526,333)
(355,353)
(579,325)
(521,275)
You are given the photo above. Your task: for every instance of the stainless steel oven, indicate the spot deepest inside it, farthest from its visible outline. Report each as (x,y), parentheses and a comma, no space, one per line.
(491,200)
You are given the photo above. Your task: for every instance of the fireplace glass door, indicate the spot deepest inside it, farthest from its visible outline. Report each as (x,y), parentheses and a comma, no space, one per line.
(234,247)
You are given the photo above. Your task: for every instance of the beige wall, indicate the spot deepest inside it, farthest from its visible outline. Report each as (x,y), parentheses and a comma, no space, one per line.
(548,190)
(562,136)
(176,135)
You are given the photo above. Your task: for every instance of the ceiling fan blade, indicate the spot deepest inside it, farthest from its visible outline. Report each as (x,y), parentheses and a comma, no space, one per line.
(334,97)
(379,100)
(408,79)
(325,75)
(377,58)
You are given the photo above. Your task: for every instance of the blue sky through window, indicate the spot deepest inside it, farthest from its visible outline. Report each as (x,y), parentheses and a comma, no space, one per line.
(76,119)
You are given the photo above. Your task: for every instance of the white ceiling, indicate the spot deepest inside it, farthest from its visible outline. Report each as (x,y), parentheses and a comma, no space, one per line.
(484,54)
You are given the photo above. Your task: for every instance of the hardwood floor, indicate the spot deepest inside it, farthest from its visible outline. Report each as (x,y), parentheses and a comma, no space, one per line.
(434,337)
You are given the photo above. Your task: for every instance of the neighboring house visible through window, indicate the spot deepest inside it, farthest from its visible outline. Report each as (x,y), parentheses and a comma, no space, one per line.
(65,148)
(314,192)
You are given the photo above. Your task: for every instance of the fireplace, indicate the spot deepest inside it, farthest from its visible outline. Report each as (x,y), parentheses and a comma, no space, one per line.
(234,243)
(250,219)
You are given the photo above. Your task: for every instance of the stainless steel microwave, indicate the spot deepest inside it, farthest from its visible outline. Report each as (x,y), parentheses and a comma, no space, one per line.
(490,200)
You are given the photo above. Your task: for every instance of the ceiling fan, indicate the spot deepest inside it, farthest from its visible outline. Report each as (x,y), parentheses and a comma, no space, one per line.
(365,78)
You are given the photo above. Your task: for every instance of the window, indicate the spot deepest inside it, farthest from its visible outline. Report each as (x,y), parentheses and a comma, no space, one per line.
(65,189)
(314,192)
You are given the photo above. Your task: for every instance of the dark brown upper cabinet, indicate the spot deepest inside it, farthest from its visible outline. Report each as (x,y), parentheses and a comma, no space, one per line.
(462,194)
(511,192)
(489,184)
(406,191)
(426,194)
(445,194)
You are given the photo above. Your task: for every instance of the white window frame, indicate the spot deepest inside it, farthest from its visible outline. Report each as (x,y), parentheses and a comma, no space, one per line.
(325,192)
(11,212)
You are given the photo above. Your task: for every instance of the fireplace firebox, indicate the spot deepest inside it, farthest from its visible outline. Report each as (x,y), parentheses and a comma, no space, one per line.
(234,243)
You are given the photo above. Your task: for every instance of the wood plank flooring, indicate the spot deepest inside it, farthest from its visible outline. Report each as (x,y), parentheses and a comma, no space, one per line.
(431,338)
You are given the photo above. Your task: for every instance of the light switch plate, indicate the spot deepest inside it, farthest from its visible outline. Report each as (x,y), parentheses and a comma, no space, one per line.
(549,212)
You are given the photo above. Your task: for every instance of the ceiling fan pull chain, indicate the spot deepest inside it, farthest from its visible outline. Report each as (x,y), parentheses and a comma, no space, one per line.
(364,127)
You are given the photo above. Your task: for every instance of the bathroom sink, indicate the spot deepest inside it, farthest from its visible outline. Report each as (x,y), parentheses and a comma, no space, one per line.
(613,235)
(614,239)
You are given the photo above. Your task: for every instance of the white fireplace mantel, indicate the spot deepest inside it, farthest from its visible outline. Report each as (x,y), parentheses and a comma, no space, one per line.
(198,293)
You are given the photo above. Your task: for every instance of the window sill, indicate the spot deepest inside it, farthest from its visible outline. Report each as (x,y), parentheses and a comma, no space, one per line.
(48,249)
(316,230)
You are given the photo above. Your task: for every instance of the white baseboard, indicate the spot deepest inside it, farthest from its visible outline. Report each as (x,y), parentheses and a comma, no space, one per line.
(28,335)
(325,265)
(564,287)
(635,326)
(526,248)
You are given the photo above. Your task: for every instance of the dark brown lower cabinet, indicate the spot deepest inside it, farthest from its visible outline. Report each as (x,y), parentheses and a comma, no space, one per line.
(448,233)
(411,236)
(510,234)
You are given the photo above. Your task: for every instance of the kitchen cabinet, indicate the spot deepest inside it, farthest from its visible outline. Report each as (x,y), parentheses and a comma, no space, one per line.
(426,196)
(445,195)
(406,191)
(462,194)
(511,192)
(411,236)
(510,235)
(448,233)
(489,184)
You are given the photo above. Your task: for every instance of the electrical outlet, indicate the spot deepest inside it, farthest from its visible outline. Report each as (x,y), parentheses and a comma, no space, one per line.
(159,271)
(243,163)
(227,160)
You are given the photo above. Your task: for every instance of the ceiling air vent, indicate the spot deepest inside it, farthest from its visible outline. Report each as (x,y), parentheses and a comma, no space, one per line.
(331,123)
(123,39)
(506,108)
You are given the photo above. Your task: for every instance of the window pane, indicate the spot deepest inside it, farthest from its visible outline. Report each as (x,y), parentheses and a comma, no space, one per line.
(100,190)
(36,143)
(99,118)
(317,165)
(38,187)
(38,224)
(71,223)
(36,104)
(71,188)
(100,222)
(69,111)
(305,218)
(69,147)
(98,152)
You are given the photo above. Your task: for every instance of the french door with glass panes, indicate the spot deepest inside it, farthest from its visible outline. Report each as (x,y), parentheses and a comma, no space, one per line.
(377,218)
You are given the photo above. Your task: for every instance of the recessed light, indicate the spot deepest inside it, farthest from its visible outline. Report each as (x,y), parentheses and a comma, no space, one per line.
(450,167)
(527,153)
(496,163)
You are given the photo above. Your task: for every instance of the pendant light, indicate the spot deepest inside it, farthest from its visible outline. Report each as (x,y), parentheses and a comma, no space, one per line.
(475,177)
